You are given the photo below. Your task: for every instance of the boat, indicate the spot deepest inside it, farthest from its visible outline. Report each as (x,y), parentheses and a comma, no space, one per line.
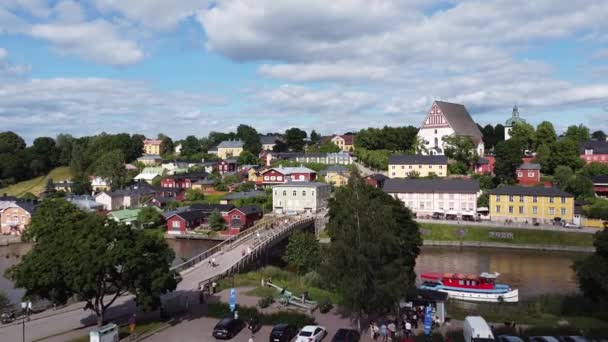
(470,287)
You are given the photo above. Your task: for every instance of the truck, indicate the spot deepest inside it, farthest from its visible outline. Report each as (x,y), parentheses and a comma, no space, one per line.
(475,329)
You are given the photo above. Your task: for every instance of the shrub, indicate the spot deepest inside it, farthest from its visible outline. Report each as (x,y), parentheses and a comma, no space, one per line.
(265,301)
(325,306)
(222,310)
(313,279)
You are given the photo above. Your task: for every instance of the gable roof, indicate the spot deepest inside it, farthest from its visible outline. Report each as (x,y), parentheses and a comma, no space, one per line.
(153,142)
(244,194)
(600,179)
(598,147)
(189,215)
(412,159)
(337,169)
(249,209)
(395,185)
(125,214)
(531,191)
(269,139)
(460,120)
(150,157)
(211,207)
(302,185)
(230,144)
(289,170)
(529,166)
(191,175)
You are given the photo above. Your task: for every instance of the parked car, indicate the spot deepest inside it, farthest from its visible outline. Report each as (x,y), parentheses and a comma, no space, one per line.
(311,333)
(346,335)
(227,328)
(572,225)
(543,339)
(283,333)
(509,338)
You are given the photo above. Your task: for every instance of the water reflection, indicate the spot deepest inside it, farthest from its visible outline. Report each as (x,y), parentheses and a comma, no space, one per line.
(533,272)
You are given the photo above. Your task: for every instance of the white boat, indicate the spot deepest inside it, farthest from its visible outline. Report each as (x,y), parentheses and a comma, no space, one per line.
(473,288)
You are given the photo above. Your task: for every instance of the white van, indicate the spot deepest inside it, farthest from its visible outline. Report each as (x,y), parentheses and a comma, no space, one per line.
(475,329)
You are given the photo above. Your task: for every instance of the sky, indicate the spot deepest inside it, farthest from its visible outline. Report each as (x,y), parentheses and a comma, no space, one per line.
(188,67)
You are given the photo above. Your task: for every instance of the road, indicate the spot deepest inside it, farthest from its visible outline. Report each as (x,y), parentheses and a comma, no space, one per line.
(365,171)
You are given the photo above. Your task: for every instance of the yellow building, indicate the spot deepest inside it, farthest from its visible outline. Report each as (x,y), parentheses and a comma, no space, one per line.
(337,175)
(531,204)
(345,142)
(229,149)
(152,146)
(405,165)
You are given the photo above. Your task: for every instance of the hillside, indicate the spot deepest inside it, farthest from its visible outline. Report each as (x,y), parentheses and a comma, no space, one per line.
(36,185)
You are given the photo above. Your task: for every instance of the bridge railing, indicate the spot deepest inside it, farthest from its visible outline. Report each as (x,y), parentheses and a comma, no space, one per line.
(255,251)
(228,242)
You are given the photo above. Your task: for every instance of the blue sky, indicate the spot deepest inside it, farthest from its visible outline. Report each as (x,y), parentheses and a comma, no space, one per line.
(193,66)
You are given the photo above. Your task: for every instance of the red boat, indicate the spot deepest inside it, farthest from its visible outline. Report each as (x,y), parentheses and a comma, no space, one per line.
(479,288)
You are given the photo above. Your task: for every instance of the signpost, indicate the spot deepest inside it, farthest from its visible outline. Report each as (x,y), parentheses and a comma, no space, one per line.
(232,299)
(428,320)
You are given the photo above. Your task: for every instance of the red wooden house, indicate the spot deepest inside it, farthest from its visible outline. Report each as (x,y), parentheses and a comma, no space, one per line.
(376,180)
(239,219)
(600,185)
(180,222)
(485,165)
(528,174)
(183,181)
(281,175)
(595,151)
(227,165)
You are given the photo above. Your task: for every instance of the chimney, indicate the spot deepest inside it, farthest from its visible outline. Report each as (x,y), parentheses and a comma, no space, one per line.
(548,184)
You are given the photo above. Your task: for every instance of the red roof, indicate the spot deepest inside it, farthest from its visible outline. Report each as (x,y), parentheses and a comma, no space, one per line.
(152,142)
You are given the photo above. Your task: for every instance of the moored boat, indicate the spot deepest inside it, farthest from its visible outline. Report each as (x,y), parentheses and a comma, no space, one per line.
(469,287)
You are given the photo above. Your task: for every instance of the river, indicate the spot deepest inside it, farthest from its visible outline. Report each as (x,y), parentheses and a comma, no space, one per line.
(532,272)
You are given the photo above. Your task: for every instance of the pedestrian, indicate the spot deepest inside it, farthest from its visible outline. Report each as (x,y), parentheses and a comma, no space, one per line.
(251,338)
(392,329)
(213,287)
(213,264)
(415,320)
(376,331)
(408,328)
(372,330)
(132,324)
(248,250)
(258,235)
(383,332)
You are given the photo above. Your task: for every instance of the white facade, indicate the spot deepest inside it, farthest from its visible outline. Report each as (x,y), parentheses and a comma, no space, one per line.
(109,202)
(301,197)
(508,130)
(433,138)
(447,203)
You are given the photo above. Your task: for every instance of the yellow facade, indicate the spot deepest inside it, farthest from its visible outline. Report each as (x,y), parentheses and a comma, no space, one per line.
(229,152)
(252,175)
(153,149)
(337,179)
(341,143)
(531,208)
(423,170)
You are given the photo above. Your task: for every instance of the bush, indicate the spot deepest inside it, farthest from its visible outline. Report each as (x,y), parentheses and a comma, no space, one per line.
(313,279)
(265,301)
(325,306)
(222,310)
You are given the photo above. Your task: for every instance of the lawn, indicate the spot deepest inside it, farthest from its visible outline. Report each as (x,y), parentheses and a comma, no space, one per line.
(294,283)
(36,185)
(443,232)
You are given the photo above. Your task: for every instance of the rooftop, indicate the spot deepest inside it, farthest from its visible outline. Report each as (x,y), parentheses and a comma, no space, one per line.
(249,209)
(150,157)
(531,191)
(125,214)
(244,194)
(460,120)
(414,159)
(598,147)
(230,144)
(302,185)
(600,179)
(290,170)
(153,142)
(431,185)
(337,169)
(529,166)
(269,139)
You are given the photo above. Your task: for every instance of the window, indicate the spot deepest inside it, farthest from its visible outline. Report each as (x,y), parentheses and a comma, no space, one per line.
(551,211)
(402,167)
(510,209)
(497,208)
(294,193)
(551,199)
(497,198)
(276,193)
(393,167)
(301,177)
(393,173)
(563,199)
(534,198)
(534,210)
(410,167)
(519,174)
(421,205)
(273,178)
(420,166)
(521,209)
(279,178)
(510,198)
(521,198)
(303,192)
(530,174)
(175,224)
(563,211)
(266,178)
(436,141)
(435,133)
(284,192)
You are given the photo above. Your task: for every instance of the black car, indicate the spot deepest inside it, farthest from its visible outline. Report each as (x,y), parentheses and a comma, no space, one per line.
(346,335)
(283,333)
(227,328)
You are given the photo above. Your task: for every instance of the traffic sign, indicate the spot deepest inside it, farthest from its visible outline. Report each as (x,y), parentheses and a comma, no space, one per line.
(232,299)
(428,320)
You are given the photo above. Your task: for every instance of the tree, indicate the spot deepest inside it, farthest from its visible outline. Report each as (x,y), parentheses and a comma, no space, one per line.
(565,152)
(248,158)
(81,185)
(149,217)
(499,134)
(375,242)
(562,175)
(599,135)
(28,196)
(315,137)
(488,136)
(191,146)
(294,139)
(166,144)
(194,195)
(483,201)
(595,169)
(598,209)
(580,186)
(387,138)
(325,147)
(579,134)
(303,252)
(10,142)
(111,165)
(523,134)
(216,221)
(49,188)
(65,143)
(78,163)
(280,146)
(508,158)
(95,259)
(545,134)
(250,138)
(543,157)
(592,272)
(461,149)
(486,181)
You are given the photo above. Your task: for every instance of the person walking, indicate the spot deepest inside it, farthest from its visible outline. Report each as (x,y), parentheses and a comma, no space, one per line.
(408,328)
(383,332)
(392,330)
(372,330)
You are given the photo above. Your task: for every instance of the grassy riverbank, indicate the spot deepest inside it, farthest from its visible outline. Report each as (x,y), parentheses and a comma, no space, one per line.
(445,232)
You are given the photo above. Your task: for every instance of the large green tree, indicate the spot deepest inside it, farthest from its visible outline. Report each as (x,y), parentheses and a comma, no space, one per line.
(461,149)
(489,140)
(191,146)
(315,137)
(545,134)
(595,169)
(303,252)
(375,242)
(387,138)
(599,135)
(294,139)
(149,217)
(216,221)
(250,138)
(579,134)
(565,152)
(592,272)
(95,259)
(111,165)
(580,186)
(11,142)
(523,134)
(508,158)
(248,158)
(324,147)
(562,175)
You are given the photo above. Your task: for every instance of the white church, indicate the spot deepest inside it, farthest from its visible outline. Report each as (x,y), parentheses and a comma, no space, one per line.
(446,119)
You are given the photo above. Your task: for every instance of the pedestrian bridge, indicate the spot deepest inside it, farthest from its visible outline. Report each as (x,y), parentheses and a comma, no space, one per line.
(232,255)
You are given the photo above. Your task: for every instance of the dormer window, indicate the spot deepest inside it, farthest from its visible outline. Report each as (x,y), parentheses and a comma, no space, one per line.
(588,151)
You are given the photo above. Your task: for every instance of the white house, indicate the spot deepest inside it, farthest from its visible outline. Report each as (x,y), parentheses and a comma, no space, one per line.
(445,119)
(300,197)
(99,184)
(149,174)
(425,197)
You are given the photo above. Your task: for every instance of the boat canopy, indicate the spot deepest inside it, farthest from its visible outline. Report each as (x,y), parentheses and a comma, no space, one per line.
(488,275)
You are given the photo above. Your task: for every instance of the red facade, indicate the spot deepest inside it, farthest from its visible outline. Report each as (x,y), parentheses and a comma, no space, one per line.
(183,183)
(597,158)
(226,166)
(273,176)
(486,165)
(179,225)
(528,176)
(238,220)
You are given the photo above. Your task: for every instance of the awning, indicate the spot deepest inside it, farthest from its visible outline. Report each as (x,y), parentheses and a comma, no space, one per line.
(482,209)
(451,212)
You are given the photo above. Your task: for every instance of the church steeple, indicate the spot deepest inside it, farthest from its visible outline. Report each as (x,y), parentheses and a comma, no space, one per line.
(515,111)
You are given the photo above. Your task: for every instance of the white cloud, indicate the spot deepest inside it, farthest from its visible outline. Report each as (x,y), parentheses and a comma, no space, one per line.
(157,14)
(69,12)
(98,41)
(8,69)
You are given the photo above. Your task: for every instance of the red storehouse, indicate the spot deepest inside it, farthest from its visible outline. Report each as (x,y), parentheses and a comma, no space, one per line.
(228,165)
(239,219)
(595,151)
(485,165)
(183,181)
(281,175)
(528,174)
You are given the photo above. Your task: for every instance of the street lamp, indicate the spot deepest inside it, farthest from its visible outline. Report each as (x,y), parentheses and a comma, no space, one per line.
(26,308)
